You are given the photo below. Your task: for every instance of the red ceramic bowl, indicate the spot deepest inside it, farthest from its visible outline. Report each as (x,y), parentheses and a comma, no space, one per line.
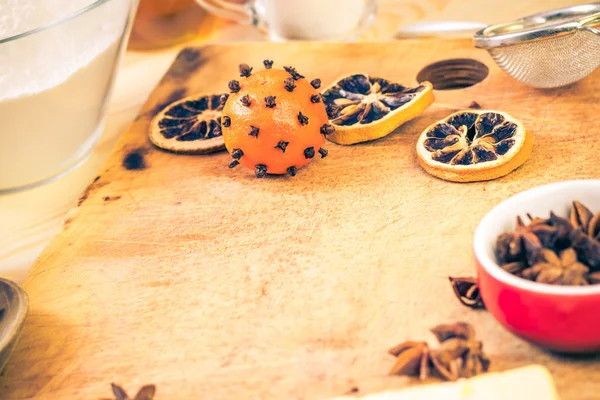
(560,318)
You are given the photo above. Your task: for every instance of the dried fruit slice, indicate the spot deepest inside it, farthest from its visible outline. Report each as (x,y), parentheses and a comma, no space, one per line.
(191,125)
(363,108)
(474,146)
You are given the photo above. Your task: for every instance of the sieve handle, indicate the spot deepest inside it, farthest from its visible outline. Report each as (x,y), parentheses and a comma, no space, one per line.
(592,23)
(546,25)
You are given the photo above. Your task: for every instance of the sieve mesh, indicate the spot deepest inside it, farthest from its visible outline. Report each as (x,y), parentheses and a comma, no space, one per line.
(553,62)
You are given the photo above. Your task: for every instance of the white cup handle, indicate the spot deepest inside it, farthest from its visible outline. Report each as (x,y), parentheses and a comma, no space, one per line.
(242,13)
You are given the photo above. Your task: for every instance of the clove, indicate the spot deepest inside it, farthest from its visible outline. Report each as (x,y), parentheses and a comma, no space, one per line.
(333,110)
(254,131)
(226,121)
(323,152)
(282,145)
(302,118)
(309,152)
(270,101)
(316,83)
(245,70)
(234,86)
(289,84)
(292,170)
(237,153)
(268,64)
(292,71)
(245,100)
(261,171)
(327,129)
(223,98)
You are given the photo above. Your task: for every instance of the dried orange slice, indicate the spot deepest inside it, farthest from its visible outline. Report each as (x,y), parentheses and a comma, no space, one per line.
(191,125)
(363,108)
(474,146)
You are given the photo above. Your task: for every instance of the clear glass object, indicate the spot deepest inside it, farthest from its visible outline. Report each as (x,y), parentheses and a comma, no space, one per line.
(164,23)
(330,20)
(58,61)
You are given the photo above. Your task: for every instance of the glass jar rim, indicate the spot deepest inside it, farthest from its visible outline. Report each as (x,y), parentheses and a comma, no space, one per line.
(94,4)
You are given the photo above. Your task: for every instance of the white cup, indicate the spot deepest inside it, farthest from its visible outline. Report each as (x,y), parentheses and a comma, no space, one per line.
(300,19)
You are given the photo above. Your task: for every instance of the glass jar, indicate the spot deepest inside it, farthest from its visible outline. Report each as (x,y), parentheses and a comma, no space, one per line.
(58,63)
(55,82)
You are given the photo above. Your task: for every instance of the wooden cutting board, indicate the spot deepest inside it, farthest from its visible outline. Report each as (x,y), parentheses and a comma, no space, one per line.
(212,284)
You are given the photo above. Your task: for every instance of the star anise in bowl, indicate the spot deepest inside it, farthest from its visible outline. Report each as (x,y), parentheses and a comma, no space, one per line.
(554,269)
(458,355)
(547,295)
(554,250)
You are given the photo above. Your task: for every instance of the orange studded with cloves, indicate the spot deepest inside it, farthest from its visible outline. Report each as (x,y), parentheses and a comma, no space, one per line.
(274,121)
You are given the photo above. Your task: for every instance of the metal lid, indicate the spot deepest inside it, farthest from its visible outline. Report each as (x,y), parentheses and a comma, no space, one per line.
(540,26)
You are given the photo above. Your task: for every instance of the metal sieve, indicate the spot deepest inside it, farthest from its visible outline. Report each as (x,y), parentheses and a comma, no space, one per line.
(546,50)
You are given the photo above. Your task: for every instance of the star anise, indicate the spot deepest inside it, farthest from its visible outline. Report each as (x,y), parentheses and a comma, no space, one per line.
(594,278)
(461,330)
(552,232)
(586,236)
(515,268)
(563,229)
(587,249)
(145,393)
(458,358)
(576,240)
(521,244)
(563,270)
(445,359)
(594,227)
(459,354)
(467,291)
(412,359)
(475,361)
(580,216)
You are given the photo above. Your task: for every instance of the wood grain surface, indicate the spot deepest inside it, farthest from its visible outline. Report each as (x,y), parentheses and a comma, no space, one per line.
(215,285)
(29,220)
